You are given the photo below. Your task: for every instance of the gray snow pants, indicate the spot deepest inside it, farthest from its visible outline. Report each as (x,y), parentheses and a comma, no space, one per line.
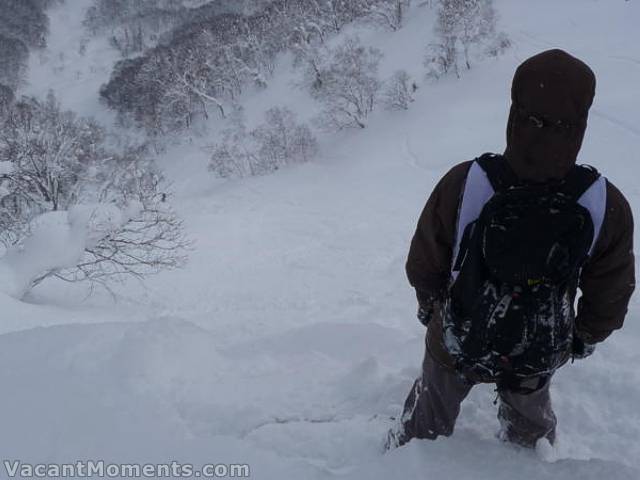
(433,405)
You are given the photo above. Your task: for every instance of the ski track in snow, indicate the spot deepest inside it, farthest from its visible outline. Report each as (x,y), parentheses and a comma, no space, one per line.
(618,123)
(290,339)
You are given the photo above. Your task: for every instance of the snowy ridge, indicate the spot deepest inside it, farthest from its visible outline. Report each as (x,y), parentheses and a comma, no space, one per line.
(290,338)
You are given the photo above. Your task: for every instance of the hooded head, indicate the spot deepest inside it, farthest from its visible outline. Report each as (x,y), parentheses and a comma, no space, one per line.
(551,95)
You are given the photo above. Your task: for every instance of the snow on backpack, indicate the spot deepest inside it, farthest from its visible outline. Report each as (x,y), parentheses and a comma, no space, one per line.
(517,260)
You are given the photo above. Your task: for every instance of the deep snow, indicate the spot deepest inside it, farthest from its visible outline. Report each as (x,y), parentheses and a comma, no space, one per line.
(290,338)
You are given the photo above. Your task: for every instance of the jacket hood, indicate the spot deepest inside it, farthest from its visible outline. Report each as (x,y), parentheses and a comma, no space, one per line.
(551,95)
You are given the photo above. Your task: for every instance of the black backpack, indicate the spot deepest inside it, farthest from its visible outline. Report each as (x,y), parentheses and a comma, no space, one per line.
(509,313)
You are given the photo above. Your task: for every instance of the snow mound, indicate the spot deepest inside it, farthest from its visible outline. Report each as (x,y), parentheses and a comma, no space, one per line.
(159,390)
(58,240)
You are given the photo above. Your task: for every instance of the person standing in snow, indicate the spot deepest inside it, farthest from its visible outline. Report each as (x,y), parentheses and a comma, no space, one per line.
(501,248)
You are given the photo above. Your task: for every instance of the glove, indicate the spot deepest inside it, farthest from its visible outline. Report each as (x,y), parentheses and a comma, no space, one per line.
(581,348)
(425,314)
(426,306)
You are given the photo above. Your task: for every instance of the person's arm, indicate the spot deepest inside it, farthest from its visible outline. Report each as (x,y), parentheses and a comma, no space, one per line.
(608,279)
(429,262)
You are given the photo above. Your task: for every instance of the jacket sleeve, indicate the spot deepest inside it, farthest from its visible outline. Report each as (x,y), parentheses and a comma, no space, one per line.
(608,279)
(429,262)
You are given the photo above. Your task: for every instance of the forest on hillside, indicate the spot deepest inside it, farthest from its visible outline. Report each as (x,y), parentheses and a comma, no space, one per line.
(183,64)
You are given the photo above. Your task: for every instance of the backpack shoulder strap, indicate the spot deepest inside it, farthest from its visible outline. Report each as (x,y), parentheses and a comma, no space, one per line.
(591,192)
(498,171)
(579,180)
(477,191)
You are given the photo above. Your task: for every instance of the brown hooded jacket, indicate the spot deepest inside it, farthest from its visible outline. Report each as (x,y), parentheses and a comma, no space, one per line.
(551,96)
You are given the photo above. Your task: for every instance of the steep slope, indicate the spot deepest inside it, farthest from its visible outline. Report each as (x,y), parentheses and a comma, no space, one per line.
(290,338)
(72,65)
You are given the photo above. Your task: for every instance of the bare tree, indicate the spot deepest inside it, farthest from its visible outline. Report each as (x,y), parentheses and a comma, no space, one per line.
(134,25)
(234,156)
(350,86)
(147,244)
(390,14)
(6,99)
(311,55)
(278,142)
(499,44)
(59,161)
(13,58)
(399,91)
(442,58)
(477,25)
(210,58)
(26,21)
(461,27)
(282,140)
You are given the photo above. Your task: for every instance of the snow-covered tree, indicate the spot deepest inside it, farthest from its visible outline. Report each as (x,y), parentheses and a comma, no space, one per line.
(23,25)
(25,20)
(477,25)
(311,59)
(390,14)
(6,99)
(462,26)
(233,156)
(204,68)
(210,58)
(53,160)
(134,25)
(349,86)
(13,60)
(399,91)
(282,141)
(51,151)
(498,45)
(278,142)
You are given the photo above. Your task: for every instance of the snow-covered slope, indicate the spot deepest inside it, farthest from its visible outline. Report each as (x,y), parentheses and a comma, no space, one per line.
(73,65)
(290,338)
